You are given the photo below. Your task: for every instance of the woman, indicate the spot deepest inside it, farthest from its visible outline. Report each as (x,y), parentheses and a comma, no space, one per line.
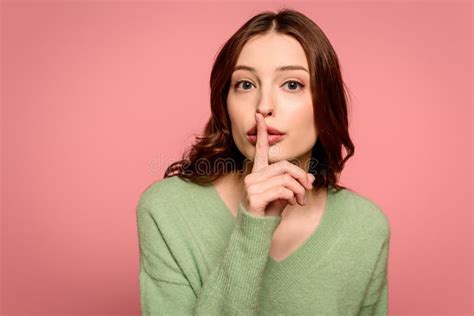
(252,221)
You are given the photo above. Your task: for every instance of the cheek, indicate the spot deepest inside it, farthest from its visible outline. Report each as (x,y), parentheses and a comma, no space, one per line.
(234,108)
(302,123)
(309,122)
(301,114)
(237,119)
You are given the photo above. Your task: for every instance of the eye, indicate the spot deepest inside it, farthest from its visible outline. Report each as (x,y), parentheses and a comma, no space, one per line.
(237,84)
(294,84)
(248,84)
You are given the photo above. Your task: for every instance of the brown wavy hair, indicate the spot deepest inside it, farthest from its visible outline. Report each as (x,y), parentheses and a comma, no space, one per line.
(216,146)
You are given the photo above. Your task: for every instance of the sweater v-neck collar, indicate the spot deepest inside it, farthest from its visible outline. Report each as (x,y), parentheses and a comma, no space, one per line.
(312,249)
(282,275)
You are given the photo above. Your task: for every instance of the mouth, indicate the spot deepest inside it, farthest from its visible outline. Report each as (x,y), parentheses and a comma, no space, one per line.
(272,138)
(274,135)
(270,130)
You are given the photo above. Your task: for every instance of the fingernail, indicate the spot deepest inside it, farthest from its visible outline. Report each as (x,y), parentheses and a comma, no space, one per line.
(311,177)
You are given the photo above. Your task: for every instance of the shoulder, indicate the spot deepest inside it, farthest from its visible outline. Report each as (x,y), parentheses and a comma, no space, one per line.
(363,214)
(163,194)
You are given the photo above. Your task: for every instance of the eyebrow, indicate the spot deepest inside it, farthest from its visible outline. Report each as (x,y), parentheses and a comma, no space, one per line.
(282,68)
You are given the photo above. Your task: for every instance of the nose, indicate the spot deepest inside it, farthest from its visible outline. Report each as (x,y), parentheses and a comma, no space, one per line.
(265,110)
(265,113)
(266,103)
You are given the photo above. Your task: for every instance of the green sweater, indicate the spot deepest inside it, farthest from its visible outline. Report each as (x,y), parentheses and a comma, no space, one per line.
(197,259)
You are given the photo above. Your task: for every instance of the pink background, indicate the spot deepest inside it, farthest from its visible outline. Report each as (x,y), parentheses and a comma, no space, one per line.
(98,98)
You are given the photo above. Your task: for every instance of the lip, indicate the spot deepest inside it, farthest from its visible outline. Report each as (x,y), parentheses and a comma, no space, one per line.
(270,130)
(272,139)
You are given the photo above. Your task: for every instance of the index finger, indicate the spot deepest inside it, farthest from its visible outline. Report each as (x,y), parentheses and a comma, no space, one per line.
(261,147)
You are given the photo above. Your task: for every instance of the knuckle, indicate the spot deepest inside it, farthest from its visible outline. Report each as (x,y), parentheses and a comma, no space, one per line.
(251,200)
(281,190)
(301,190)
(290,167)
(284,164)
(251,189)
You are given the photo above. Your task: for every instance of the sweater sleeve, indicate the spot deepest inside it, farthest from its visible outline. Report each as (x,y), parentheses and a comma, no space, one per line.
(232,286)
(376,298)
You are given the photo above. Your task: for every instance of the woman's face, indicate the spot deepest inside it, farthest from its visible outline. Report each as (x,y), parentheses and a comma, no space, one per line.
(283,97)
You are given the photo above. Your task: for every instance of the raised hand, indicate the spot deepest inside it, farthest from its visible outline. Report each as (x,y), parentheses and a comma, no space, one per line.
(270,188)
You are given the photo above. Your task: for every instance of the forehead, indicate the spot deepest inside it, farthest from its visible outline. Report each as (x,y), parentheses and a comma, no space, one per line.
(266,52)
